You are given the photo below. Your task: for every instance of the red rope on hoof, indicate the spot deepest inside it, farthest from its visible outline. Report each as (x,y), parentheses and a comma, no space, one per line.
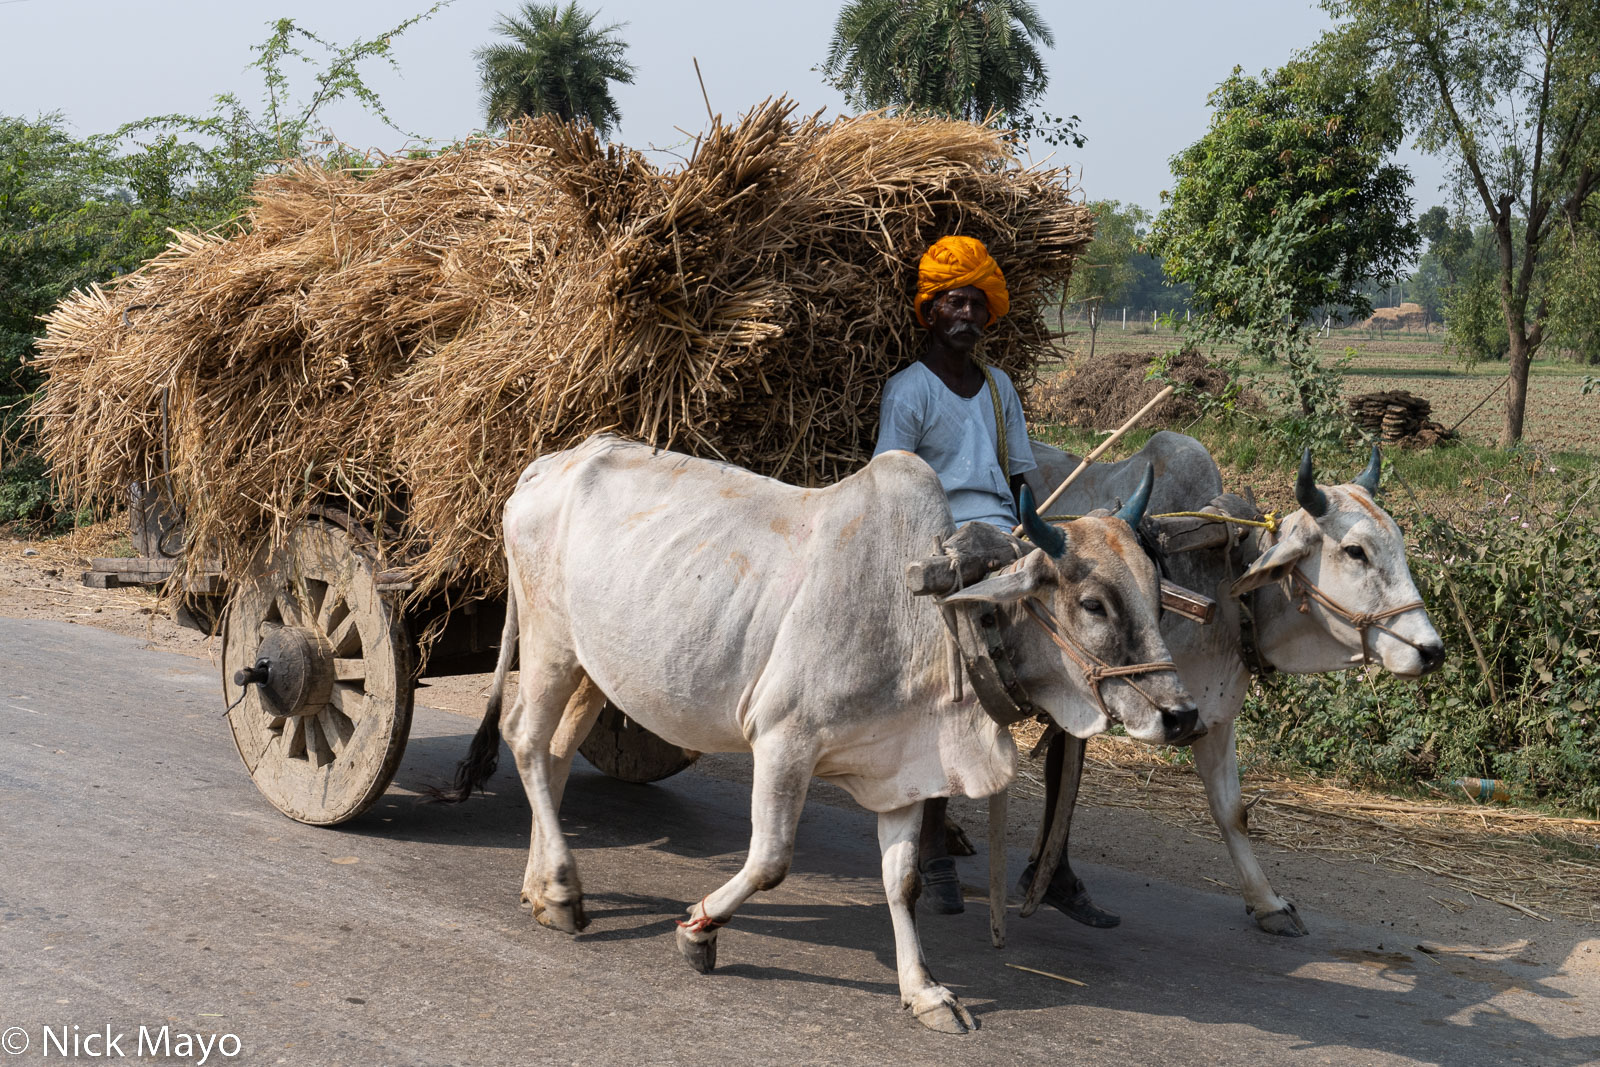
(704,924)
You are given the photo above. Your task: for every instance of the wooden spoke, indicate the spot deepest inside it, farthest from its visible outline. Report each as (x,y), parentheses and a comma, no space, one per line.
(349,670)
(326,600)
(345,637)
(289,607)
(318,751)
(330,762)
(336,727)
(347,699)
(294,738)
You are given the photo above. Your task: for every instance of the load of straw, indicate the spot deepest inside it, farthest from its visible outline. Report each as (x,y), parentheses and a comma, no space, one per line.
(405,339)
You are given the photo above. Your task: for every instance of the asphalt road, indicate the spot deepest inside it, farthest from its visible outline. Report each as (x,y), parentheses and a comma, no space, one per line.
(144,882)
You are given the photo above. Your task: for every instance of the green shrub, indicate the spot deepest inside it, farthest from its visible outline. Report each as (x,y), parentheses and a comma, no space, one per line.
(1524,707)
(25,491)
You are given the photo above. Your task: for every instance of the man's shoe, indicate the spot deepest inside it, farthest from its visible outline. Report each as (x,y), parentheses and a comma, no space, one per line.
(941,886)
(1074,904)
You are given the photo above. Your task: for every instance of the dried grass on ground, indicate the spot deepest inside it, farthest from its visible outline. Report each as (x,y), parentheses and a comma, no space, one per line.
(408,338)
(1103,393)
(1535,864)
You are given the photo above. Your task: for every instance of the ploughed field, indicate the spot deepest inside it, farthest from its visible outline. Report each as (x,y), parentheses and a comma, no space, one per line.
(1559,417)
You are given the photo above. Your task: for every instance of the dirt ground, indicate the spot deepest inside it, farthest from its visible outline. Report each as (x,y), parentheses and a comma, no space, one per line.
(1559,416)
(1137,814)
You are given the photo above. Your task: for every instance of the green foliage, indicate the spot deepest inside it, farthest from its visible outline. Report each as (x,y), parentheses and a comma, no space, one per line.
(554,61)
(970,59)
(1509,90)
(1522,578)
(1472,316)
(78,211)
(1284,206)
(1106,271)
(209,162)
(1291,146)
(24,491)
(55,214)
(1573,292)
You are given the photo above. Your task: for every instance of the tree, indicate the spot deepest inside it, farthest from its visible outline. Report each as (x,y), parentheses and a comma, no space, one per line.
(1573,292)
(1107,269)
(1510,89)
(967,59)
(73,211)
(555,63)
(1284,206)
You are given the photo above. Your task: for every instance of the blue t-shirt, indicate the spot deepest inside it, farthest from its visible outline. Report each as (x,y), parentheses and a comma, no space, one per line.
(956,437)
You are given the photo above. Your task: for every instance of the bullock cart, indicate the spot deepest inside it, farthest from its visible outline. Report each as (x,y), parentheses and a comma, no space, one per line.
(331,404)
(322,655)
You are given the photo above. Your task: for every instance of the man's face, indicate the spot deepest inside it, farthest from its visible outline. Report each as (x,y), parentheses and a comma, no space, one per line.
(957,317)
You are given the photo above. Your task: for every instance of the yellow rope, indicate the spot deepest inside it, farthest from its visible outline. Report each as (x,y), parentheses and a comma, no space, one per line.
(1268,522)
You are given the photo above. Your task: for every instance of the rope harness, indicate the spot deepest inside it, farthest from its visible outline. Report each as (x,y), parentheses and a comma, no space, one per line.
(1095,670)
(1300,587)
(995,681)
(1361,622)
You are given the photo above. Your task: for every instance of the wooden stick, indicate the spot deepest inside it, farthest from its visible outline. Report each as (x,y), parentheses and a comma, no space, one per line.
(997,868)
(1047,974)
(1099,451)
(703,94)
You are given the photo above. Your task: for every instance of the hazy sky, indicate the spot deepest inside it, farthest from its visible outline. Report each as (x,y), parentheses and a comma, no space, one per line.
(1137,73)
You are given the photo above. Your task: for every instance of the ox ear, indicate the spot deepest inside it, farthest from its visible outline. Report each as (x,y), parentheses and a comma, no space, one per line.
(1028,578)
(1299,541)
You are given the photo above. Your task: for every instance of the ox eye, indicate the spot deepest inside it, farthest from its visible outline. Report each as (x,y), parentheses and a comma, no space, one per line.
(1092,606)
(1356,552)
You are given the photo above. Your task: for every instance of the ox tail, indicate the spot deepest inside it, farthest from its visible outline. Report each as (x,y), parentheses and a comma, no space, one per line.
(484,755)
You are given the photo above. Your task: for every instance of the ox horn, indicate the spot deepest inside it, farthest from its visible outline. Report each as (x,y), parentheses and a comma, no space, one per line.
(1368,479)
(1041,533)
(1132,512)
(1314,500)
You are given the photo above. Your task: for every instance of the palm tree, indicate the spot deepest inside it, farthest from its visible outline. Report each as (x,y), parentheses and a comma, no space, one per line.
(554,62)
(963,58)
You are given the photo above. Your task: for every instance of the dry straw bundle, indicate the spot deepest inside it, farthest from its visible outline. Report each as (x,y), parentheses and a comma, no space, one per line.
(405,340)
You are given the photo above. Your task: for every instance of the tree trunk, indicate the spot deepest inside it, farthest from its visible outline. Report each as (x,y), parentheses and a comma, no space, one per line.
(1519,357)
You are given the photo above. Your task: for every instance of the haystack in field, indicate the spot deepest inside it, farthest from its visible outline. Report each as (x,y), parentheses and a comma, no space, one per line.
(406,339)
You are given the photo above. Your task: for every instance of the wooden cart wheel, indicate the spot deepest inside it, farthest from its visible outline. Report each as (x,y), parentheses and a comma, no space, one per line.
(621,748)
(322,724)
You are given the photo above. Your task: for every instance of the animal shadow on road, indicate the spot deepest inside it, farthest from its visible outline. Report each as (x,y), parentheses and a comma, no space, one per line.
(1181,954)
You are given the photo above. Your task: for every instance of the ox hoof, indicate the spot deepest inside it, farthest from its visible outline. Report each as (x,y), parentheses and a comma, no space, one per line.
(1285,922)
(568,918)
(938,1009)
(702,955)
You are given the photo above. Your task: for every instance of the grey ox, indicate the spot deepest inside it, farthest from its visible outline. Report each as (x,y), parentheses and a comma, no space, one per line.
(1330,591)
(727,612)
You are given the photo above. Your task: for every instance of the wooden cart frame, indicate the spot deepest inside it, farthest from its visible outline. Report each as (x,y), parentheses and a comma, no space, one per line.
(321,658)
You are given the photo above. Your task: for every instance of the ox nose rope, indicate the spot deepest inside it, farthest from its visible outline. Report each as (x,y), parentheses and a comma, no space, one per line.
(1095,670)
(1362,622)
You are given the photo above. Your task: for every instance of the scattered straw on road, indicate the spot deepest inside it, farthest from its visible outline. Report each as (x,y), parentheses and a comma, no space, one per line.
(1535,864)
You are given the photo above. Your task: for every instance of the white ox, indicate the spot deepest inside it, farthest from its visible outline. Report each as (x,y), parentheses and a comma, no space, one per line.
(1340,542)
(728,612)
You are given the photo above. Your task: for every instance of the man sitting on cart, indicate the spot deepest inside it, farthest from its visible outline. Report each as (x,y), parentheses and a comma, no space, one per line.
(965,419)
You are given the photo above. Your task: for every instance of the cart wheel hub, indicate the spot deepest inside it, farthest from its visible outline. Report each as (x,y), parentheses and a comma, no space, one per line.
(299,670)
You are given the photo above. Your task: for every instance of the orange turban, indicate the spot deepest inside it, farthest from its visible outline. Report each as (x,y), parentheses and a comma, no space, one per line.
(956,262)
